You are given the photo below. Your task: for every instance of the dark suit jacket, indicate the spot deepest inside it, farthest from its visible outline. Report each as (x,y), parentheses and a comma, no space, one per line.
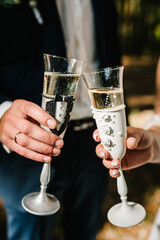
(23,41)
(22,44)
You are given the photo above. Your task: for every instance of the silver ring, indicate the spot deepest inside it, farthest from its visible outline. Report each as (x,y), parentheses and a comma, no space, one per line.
(15,138)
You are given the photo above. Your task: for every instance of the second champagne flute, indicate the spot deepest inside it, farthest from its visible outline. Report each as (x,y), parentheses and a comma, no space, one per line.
(105,88)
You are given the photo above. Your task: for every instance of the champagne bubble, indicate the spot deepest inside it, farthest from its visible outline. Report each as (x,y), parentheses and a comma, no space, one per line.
(106,98)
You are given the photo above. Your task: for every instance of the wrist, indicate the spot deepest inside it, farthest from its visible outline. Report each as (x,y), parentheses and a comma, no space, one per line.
(4,107)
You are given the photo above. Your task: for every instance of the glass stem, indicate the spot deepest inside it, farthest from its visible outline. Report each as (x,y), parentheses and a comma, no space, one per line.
(44,179)
(122,189)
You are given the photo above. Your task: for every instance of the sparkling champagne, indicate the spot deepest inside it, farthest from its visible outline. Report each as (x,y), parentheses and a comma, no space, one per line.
(106,97)
(58,96)
(58,83)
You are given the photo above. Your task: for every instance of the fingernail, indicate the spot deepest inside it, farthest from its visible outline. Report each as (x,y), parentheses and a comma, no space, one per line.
(133,139)
(51,123)
(114,173)
(102,154)
(95,136)
(56,151)
(59,143)
(47,158)
(114,164)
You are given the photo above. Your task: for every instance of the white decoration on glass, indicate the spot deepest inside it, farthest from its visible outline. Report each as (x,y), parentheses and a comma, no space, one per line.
(115,142)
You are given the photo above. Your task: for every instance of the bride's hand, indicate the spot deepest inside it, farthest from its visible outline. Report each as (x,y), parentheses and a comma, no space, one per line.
(141,146)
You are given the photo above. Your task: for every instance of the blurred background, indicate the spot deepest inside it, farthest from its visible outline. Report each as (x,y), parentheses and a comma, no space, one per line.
(139,33)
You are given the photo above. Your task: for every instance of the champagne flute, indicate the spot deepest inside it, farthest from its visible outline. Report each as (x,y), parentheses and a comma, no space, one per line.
(105,89)
(61,78)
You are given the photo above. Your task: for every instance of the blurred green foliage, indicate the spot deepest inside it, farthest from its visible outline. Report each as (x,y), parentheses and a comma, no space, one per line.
(139,26)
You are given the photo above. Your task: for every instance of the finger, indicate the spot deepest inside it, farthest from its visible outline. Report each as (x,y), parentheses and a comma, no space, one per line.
(27,153)
(112,172)
(96,136)
(37,113)
(101,151)
(115,163)
(111,164)
(34,131)
(141,136)
(56,151)
(35,145)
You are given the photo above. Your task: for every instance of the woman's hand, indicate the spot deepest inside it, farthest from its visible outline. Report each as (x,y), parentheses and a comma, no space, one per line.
(142,147)
(33,141)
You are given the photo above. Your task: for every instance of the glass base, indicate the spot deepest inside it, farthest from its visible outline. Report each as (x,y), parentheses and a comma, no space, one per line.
(32,203)
(123,217)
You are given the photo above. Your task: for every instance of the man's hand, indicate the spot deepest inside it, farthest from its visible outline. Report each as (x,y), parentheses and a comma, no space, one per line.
(33,142)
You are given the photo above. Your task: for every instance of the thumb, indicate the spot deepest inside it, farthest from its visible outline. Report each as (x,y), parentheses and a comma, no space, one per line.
(138,138)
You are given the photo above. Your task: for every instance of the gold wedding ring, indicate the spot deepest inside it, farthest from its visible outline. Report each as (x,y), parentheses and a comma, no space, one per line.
(15,138)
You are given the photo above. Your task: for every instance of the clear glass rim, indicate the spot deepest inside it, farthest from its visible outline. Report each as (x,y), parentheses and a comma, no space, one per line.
(64,58)
(101,70)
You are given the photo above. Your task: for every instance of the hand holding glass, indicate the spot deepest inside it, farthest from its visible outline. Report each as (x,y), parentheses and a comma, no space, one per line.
(105,88)
(60,83)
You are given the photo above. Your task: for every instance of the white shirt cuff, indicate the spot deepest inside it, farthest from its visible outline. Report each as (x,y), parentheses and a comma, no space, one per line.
(3,108)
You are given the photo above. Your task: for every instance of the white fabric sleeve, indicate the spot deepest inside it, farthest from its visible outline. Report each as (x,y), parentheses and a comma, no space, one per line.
(3,108)
(155,120)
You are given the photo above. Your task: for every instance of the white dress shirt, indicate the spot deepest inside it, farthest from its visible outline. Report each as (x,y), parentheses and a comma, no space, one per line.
(77,23)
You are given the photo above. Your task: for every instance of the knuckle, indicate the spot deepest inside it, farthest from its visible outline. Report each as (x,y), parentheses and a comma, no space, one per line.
(4,139)
(28,107)
(26,128)
(49,138)
(15,102)
(22,140)
(48,149)
(8,117)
